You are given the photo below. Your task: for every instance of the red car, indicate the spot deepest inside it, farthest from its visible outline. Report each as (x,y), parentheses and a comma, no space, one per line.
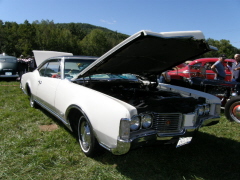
(201,67)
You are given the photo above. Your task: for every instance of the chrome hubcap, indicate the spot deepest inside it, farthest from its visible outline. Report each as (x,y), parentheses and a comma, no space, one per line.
(31,101)
(85,136)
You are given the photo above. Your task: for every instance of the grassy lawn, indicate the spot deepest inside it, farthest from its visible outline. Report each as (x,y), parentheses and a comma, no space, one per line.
(30,151)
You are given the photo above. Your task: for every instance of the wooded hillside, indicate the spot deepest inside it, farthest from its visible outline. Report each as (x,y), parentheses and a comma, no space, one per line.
(77,38)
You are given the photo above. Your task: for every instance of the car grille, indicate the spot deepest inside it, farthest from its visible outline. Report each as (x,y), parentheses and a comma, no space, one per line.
(167,122)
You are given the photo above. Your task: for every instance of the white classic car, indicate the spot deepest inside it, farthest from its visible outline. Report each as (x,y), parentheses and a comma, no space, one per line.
(115,101)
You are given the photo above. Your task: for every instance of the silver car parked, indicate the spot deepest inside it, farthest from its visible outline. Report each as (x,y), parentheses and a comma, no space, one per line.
(8,66)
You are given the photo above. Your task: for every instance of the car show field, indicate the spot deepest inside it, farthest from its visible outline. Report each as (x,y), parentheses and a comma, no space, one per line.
(127,124)
(35,145)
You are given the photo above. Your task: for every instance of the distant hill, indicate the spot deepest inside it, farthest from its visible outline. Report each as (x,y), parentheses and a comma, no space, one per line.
(77,38)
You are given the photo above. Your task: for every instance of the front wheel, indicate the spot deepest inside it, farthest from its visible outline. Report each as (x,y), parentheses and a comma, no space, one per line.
(232,109)
(87,141)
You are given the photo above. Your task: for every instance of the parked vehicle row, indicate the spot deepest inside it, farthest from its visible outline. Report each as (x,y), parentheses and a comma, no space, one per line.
(198,75)
(201,68)
(115,101)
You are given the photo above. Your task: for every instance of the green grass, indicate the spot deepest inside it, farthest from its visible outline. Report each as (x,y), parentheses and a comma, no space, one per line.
(29,153)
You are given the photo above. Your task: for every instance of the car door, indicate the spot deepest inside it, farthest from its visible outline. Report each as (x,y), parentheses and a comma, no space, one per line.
(194,69)
(49,79)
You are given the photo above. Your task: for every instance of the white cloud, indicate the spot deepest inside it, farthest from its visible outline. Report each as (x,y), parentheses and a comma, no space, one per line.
(109,22)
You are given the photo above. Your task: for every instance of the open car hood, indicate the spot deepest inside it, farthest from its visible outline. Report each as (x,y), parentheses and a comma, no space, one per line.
(147,53)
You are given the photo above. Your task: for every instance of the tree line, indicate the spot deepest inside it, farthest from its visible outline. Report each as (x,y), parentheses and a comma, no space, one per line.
(224,47)
(77,38)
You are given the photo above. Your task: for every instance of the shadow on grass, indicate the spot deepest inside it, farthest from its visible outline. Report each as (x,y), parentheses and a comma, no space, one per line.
(55,120)
(207,157)
(9,80)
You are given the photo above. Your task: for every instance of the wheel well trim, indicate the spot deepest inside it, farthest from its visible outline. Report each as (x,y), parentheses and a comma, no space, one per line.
(74,106)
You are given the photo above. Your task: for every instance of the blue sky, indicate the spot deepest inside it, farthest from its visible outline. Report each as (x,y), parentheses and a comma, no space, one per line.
(218,19)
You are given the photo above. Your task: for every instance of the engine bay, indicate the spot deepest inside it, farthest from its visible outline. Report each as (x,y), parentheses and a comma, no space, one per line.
(144,96)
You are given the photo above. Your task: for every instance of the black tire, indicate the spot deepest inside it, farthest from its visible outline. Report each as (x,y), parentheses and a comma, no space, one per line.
(232,109)
(87,141)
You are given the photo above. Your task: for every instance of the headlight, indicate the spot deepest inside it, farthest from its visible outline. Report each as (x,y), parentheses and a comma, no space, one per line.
(206,108)
(200,110)
(135,123)
(146,121)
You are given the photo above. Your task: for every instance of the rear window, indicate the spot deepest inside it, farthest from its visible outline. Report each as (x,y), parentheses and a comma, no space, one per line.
(8,60)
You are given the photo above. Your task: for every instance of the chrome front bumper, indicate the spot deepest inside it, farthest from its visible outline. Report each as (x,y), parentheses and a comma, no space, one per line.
(153,136)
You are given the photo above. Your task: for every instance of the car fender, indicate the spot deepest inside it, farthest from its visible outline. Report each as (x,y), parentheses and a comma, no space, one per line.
(30,79)
(96,106)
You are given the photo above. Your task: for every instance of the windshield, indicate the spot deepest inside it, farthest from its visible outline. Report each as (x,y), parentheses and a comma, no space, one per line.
(73,67)
(109,77)
(113,76)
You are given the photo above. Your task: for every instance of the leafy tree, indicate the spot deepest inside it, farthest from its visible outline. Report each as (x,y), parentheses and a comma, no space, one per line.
(224,47)
(26,38)
(9,38)
(46,35)
(95,43)
(2,32)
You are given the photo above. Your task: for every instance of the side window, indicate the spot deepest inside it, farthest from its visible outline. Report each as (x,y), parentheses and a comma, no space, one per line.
(208,65)
(51,69)
(42,69)
(195,66)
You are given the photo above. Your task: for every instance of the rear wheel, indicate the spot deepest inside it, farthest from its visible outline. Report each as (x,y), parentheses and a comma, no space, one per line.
(87,141)
(232,109)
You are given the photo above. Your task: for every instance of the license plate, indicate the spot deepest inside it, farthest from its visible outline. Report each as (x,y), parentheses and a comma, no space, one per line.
(8,73)
(183,141)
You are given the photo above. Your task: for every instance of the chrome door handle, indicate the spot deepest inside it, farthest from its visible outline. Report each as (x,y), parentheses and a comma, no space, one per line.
(40,82)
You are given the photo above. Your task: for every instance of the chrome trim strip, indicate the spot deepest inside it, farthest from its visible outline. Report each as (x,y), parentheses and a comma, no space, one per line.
(52,112)
(104,146)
